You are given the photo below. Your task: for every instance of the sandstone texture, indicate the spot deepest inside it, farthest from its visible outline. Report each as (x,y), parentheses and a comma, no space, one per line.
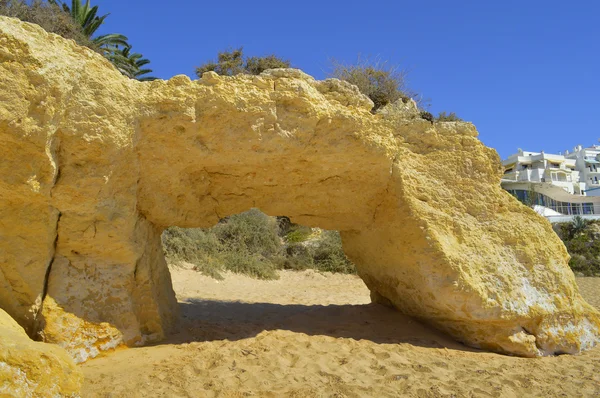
(95,166)
(32,369)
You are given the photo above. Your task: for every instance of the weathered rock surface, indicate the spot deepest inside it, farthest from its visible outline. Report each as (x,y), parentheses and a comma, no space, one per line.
(95,166)
(31,369)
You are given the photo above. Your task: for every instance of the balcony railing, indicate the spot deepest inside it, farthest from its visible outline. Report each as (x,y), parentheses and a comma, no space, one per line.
(542,175)
(532,198)
(575,208)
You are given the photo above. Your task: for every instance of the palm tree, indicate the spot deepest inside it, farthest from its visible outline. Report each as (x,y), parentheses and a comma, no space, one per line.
(578,225)
(86,16)
(130,64)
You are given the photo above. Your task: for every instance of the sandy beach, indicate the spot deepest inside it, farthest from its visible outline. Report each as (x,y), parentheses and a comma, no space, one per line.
(317,335)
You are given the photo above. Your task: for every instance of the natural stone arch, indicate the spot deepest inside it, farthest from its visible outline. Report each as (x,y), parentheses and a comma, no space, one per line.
(97,165)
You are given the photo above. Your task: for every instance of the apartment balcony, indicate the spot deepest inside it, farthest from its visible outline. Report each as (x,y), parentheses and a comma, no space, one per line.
(555,176)
(511,176)
(532,175)
(575,175)
(559,178)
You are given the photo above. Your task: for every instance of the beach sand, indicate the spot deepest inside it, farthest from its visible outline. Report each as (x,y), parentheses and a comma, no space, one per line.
(317,335)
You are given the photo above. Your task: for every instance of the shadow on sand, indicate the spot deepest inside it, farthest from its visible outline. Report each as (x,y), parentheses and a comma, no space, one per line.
(210,320)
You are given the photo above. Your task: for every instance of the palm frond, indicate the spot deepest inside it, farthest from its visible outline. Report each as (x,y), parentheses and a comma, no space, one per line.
(111,39)
(142,62)
(89,17)
(128,63)
(75,7)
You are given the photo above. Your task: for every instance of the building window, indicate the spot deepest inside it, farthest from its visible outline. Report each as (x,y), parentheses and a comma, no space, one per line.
(531,198)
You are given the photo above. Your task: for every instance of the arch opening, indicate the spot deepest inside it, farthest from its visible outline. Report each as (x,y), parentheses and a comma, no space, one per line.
(255,244)
(253,273)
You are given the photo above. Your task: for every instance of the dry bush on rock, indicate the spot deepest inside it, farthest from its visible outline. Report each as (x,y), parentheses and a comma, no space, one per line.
(382,83)
(257,65)
(232,62)
(448,117)
(50,17)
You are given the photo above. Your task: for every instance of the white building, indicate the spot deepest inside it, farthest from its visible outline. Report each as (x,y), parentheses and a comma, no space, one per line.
(587,162)
(556,185)
(540,167)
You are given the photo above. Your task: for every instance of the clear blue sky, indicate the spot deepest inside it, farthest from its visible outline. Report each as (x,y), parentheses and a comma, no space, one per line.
(525,72)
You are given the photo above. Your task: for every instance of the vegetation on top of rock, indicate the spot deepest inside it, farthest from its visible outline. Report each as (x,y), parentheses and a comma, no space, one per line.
(255,244)
(80,22)
(382,83)
(114,46)
(86,17)
(447,117)
(582,239)
(257,65)
(50,17)
(232,62)
(130,64)
(427,116)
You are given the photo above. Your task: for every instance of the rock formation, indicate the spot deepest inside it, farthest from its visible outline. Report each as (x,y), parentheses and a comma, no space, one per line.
(30,369)
(95,166)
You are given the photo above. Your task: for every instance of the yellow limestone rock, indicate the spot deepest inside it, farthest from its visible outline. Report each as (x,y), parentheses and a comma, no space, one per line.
(31,369)
(96,165)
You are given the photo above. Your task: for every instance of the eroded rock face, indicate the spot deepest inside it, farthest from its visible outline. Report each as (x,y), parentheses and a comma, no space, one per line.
(96,166)
(30,369)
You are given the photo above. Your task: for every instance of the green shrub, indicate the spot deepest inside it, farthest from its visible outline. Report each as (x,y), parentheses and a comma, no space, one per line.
(229,63)
(232,62)
(329,256)
(585,266)
(323,253)
(450,117)
(382,83)
(249,240)
(250,243)
(248,263)
(257,65)
(196,246)
(252,230)
(299,234)
(51,18)
(579,237)
(569,230)
(578,225)
(427,116)
(243,243)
